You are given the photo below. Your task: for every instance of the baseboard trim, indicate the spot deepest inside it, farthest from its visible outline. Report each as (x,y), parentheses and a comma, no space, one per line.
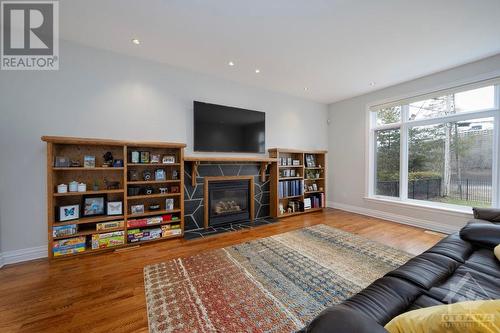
(421,223)
(31,253)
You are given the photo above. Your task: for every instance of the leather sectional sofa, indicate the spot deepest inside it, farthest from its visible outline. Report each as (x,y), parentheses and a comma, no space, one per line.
(460,267)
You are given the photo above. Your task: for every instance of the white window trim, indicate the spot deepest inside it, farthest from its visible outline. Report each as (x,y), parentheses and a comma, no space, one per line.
(405,125)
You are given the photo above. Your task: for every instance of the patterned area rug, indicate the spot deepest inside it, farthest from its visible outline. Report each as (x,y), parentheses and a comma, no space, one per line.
(274,284)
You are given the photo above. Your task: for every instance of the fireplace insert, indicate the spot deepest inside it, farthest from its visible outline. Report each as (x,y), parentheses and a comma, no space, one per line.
(228,201)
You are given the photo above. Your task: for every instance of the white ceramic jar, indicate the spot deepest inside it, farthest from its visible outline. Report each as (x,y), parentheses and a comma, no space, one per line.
(73,186)
(62,188)
(82,187)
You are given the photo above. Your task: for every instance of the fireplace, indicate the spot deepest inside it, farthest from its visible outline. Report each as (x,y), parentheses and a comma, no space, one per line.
(228,200)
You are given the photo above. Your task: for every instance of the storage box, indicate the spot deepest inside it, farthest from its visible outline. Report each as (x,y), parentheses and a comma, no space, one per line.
(137,235)
(64,230)
(109,225)
(110,239)
(171,230)
(144,222)
(68,246)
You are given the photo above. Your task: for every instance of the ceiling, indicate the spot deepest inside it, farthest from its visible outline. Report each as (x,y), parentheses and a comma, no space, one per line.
(335,48)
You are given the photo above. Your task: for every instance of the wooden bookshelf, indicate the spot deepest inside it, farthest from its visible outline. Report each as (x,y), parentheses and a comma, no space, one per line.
(294,165)
(75,149)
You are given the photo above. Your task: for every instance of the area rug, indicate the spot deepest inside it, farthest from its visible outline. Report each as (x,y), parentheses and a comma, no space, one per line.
(274,284)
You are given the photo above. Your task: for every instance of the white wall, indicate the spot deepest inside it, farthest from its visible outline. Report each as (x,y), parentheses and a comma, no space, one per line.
(348,140)
(105,95)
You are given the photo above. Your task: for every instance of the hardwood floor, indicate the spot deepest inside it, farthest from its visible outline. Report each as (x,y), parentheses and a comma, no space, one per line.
(105,293)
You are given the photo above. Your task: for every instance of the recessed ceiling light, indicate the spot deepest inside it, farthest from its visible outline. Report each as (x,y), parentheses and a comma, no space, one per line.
(257,71)
(305,88)
(372,84)
(231,63)
(136,41)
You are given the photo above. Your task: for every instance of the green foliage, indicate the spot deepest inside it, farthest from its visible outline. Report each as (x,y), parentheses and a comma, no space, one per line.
(418,175)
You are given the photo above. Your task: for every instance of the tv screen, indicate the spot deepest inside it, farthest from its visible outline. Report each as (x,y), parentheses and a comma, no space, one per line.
(219,128)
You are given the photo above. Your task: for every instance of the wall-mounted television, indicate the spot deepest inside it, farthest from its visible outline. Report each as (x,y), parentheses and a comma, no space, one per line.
(219,128)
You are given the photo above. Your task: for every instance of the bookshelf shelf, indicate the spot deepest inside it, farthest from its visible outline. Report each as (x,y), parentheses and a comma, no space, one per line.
(69,194)
(76,149)
(312,163)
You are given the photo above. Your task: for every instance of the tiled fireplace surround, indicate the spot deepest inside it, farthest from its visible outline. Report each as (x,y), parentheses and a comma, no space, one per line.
(193,196)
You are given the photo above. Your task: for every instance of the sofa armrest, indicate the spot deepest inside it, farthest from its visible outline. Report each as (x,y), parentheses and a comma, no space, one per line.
(487,214)
(484,234)
(342,319)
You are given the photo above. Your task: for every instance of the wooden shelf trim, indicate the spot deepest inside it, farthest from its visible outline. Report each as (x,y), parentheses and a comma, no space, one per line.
(304,212)
(152,164)
(157,195)
(146,182)
(264,162)
(290,178)
(292,197)
(94,219)
(88,169)
(109,142)
(154,213)
(228,159)
(69,194)
(290,166)
(90,232)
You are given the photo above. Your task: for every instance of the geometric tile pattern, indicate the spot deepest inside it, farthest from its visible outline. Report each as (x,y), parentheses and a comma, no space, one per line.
(193,196)
(199,233)
(273,284)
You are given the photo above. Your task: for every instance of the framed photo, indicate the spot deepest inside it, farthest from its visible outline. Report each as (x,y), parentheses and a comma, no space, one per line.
(315,187)
(155,158)
(94,205)
(68,213)
(169,204)
(137,209)
(292,173)
(160,174)
(144,156)
(61,162)
(310,161)
(168,159)
(135,157)
(115,208)
(296,162)
(289,161)
(89,161)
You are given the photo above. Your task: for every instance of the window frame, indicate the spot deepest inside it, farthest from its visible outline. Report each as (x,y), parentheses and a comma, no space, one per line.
(405,124)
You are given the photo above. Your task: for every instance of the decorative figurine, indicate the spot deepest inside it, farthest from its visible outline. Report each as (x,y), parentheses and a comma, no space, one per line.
(108,159)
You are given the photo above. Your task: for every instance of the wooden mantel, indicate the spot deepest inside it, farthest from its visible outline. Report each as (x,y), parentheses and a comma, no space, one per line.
(196,160)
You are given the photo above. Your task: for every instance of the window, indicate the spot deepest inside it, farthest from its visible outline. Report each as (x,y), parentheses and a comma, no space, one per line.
(440,149)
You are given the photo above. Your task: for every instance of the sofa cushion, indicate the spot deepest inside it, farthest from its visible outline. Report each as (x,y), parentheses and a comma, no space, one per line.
(482,234)
(384,299)
(466,284)
(484,261)
(333,319)
(424,301)
(426,269)
(471,317)
(453,247)
(488,214)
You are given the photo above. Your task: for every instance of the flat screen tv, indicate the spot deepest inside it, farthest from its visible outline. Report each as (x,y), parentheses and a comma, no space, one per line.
(219,128)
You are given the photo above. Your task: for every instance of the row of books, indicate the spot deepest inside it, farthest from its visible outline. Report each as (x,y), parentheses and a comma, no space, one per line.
(290,188)
(314,201)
